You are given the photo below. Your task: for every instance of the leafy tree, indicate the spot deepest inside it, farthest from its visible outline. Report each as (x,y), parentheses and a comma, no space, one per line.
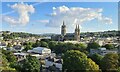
(46,40)
(31,64)
(70,46)
(110,62)
(93,45)
(63,47)
(105,35)
(60,48)
(4,61)
(119,59)
(82,47)
(52,45)
(17,66)
(36,44)
(9,56)
(96,58)
(28,43)
(91,66)
(109,46)
(74,61)
(5,64)
(27,47)
(44,44)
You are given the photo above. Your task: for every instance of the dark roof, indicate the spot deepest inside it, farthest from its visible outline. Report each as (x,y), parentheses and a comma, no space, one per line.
(69,35)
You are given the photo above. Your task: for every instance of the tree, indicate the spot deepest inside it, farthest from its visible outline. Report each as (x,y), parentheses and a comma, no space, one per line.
(46,40)
(44,44)
(9,56)
(82,47)
(4,61)
(27,47)
(36,44)
(109,46)
(75,60)
(96,58)
(105,35)
(91,66)
(110,62)
(60,48)
(93,45)
(31,64)
(119,59)
(5,64)
(52,45)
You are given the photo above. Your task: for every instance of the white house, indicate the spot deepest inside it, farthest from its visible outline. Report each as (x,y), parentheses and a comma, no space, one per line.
(40,50)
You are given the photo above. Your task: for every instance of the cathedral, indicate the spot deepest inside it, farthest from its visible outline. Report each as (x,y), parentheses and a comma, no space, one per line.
(67,36)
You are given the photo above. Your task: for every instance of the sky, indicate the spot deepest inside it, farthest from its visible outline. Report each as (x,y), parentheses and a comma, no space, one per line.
(47,17)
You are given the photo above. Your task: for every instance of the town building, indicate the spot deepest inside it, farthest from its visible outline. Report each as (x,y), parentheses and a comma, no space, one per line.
(49,61)
(40,50)
(102,51)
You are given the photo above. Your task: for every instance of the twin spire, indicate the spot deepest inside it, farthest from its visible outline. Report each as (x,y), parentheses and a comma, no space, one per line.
(77,26)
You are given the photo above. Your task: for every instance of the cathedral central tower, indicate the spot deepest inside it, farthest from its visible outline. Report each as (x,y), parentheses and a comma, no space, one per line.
(63,29)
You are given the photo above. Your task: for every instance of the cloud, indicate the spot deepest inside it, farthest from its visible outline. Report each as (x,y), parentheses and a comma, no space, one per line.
(23,11)
(76,15)
(43,21)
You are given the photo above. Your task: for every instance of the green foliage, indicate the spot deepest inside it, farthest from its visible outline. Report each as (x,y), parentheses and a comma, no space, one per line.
(110,62)
(105,35)
(4,61)
(5,64)
(17,66)
(36,44)
(27,47)
(61,47)
(91,66)
(96,58)
(82,47)
(75,60)
(119,59)
(52,45)
(13,35)
(93,45)
(9,56)
(109,46)
(46,40)
(44,44)
(40,44)
(31,64)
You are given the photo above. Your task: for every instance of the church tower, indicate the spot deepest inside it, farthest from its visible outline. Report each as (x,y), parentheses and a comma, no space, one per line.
(63,29)
(77,33)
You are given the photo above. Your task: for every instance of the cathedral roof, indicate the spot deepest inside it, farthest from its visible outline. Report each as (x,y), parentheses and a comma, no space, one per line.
(69,35)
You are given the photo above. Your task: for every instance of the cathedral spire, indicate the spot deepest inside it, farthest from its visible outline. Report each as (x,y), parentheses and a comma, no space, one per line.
(78,26)
(63,23)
